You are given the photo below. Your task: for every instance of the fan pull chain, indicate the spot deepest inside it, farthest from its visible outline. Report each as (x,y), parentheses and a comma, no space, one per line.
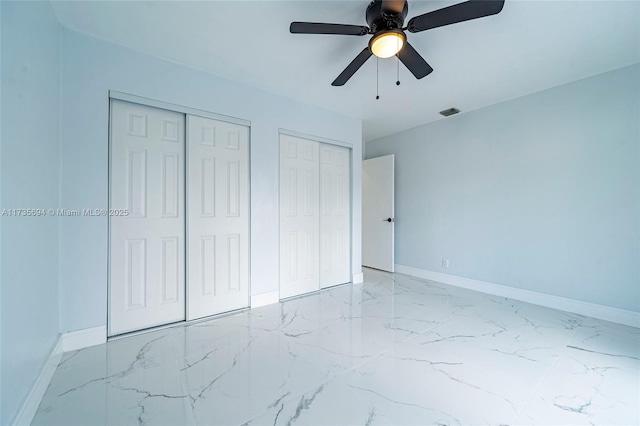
(377,77)
(398,71)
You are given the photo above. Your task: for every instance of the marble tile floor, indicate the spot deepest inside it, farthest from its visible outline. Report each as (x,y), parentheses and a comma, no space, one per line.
(395,350)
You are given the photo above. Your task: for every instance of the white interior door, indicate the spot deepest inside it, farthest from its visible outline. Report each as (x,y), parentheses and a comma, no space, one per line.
(335,215)
(377,213)
(299,222)
(218,217)
(147,245)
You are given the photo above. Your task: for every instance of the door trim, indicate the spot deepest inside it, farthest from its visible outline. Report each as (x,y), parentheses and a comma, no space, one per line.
(113,94)
(314,138)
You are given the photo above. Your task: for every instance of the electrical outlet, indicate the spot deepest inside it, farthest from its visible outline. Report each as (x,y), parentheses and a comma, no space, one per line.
(445,263)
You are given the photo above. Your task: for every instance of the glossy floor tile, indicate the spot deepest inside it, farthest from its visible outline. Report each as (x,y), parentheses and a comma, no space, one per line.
(395,350)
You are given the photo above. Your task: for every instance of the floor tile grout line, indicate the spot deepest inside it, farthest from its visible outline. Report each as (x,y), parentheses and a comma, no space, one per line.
(411,337)
(551,367)
(396,328)
(330,379)
(543,379)
(350,369)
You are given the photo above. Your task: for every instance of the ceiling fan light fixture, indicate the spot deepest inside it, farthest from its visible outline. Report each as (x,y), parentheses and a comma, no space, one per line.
(385,20)
(387,43)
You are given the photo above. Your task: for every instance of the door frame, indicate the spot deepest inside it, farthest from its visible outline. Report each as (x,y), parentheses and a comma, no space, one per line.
(328,141)
(154,103)
(392,216)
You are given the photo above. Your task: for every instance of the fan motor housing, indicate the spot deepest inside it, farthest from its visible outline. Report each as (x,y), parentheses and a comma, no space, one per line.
(380,21)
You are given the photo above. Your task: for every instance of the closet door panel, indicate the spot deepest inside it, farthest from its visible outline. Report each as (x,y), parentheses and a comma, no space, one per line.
(146,254)
(218,217)
(299,220)
(335,215)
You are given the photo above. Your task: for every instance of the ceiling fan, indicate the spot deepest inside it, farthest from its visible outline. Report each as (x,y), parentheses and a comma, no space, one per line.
(385,19)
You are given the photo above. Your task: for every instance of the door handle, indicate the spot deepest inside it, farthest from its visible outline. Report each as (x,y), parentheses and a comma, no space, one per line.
(388,220)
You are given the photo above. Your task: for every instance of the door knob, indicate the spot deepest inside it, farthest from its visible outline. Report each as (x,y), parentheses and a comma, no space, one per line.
(387,220)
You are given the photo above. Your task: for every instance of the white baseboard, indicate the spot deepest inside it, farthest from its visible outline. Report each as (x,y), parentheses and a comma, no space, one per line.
(358,278)
(264,299)
(587,309)
(75,340)
(32,402)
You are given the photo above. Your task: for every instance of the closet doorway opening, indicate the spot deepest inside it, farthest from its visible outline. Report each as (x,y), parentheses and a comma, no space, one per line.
(315,214)
(179,245)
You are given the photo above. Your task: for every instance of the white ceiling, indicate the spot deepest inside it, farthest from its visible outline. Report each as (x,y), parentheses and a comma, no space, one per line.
(528,47)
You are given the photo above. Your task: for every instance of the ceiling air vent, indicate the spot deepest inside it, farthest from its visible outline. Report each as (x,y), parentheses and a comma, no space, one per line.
(450,111)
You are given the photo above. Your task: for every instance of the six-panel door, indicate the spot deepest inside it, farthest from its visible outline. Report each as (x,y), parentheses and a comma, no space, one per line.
(315,215)
(218,217)
(147,245)
(335,215)
(299,221)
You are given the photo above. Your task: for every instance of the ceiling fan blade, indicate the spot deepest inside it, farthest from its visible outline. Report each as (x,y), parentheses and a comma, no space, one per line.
(393,6)
(453,14)
(320,28)
(351,69)
(414,62)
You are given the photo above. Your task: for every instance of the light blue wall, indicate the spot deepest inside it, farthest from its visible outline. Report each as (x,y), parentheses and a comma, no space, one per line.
(1,411)
(29,178)
(540,193)
(92,67)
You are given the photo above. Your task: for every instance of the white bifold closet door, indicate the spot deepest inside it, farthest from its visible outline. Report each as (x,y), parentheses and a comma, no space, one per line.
(218,217)
(335,215)
(147,246)
(315,210)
